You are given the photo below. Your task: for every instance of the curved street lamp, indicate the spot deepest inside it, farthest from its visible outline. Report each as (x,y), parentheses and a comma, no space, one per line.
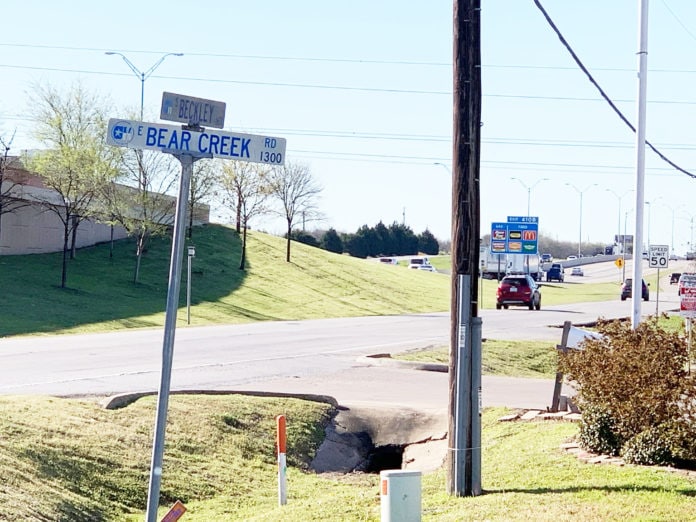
(581,193)
(142,75)
(619,198)
(529,189)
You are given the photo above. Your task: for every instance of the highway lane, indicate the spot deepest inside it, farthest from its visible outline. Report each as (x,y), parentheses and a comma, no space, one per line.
(206,357)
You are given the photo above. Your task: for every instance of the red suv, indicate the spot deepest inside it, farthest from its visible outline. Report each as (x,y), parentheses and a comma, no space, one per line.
(518,290)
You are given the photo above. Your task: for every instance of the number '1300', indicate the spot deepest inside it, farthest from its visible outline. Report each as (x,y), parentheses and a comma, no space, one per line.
(271,157)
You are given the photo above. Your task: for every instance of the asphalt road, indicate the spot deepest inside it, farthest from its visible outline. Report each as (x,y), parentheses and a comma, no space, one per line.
(321,356)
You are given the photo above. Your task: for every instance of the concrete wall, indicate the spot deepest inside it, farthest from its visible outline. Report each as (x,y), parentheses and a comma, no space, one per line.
(32,230)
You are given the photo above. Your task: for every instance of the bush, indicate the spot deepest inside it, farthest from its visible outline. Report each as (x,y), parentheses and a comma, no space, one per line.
(598,432)
(648,448)
(630,383)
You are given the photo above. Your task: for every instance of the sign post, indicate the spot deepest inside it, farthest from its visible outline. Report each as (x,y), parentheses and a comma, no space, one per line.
(188,143)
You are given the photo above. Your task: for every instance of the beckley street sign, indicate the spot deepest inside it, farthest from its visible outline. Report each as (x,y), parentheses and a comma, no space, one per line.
(216,144)
(192,111)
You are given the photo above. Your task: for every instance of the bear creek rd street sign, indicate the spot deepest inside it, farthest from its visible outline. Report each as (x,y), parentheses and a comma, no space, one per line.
(188,145)
(200,144)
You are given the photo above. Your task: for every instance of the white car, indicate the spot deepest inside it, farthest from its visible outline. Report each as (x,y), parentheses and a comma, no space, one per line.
(427,268)
(577,271)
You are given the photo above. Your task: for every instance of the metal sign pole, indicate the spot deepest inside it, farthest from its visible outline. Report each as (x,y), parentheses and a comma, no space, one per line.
(188,292)
(657,296)
(169,330)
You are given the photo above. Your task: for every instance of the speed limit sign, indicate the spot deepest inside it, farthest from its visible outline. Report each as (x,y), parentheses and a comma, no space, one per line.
(658,256)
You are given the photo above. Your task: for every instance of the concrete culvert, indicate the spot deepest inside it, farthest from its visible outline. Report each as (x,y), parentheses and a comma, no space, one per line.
(372,440)
(385,457)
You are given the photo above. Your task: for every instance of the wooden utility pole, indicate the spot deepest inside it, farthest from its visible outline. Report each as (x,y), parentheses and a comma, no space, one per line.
(464,457)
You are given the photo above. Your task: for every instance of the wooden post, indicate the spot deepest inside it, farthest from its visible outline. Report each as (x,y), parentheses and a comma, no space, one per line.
(466,139)
(563,347)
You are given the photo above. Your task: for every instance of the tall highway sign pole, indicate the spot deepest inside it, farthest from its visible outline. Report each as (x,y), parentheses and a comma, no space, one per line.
(636,291)
(188,143)
(464,434)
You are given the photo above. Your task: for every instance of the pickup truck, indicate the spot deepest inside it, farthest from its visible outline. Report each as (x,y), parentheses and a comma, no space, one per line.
(555,273)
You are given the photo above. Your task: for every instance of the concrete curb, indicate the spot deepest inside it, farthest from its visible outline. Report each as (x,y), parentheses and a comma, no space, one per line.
(385,359)
(122,400)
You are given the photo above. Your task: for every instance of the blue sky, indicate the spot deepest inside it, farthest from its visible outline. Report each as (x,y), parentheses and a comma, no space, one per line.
(361,90)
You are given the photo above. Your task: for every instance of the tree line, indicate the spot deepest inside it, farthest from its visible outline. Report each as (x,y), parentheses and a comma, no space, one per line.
(380,240)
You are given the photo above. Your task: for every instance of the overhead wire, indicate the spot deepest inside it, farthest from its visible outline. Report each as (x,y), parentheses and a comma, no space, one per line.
(601,91)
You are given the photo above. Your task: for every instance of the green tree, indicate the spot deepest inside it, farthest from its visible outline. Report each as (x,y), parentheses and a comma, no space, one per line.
(428,244)
(77,163)
(405,241)
(332,242)
(384,240)
(305,237)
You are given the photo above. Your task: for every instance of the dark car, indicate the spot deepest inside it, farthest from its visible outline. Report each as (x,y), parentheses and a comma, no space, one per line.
(518,290)
(555,273)
(627,288)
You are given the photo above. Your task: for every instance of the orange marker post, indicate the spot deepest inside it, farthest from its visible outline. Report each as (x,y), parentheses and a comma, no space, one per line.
(281,438)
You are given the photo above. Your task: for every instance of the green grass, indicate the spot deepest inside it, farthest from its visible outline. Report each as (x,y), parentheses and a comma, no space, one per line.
(101,294)
(67,459)
(70,460)
(535,359)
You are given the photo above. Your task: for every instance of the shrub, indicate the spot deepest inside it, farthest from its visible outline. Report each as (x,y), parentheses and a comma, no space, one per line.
(634,381)
(648,448)
(598,432)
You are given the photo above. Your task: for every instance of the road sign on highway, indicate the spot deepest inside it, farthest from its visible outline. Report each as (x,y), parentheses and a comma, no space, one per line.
(515,237)
(619,262)
(658,256)
(211,144)
(192,111)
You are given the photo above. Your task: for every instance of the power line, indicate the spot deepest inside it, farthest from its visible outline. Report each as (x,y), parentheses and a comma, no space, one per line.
(601,91)
(236,56)
(339,87)
(678,20)
(348,60)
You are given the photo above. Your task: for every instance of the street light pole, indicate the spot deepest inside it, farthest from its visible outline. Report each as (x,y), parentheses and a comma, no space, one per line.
(581,193)
(142,182)
(619,198)
(142,75)
(673,210)
(529,190)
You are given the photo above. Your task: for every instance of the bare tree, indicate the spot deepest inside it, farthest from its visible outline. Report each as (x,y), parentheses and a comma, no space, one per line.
(140,202)
(297,192)
(10,185)
(76,163)
(246,192)
(204,181)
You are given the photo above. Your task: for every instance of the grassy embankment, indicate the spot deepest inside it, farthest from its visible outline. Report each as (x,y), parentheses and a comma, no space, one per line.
(70,460)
